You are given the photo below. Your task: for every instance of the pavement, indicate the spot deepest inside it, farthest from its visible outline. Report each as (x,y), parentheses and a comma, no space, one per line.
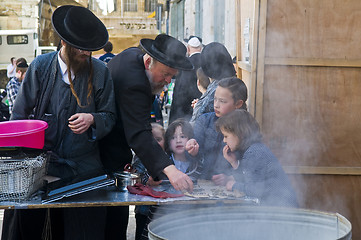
(131,224)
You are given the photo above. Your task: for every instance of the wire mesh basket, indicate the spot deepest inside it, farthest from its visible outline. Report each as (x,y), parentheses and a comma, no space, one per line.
(20,178)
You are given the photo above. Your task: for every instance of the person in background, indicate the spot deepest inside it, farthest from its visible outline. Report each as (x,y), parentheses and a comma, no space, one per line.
(156,112)
(14,83)
(216,63)
(137,78)
(11,68)
(202,84)
(74,94)
(234,60)
(185,89)
(231,94)
(108,48)
(257,172)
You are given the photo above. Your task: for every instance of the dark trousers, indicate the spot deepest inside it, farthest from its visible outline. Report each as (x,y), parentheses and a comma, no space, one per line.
(55,224)
(116,223)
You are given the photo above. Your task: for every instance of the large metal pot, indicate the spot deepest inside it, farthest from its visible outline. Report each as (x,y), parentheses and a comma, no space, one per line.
(250,223)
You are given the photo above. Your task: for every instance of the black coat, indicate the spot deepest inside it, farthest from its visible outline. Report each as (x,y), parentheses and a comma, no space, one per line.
(185,90)
(132,130)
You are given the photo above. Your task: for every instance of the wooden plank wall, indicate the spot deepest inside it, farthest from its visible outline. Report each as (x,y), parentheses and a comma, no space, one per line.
(247,10)
(308,97)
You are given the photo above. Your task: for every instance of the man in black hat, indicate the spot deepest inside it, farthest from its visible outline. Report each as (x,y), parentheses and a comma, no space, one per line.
(137,78)
(185,89)
(74,94)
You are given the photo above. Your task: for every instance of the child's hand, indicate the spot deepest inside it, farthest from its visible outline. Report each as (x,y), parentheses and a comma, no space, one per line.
(151,182)
(230,184)
(220,179)
(193,104)
(230,156)
(192,147)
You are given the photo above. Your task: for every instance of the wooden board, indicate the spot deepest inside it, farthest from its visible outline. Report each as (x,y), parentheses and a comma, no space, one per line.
(311,115)
(313,29)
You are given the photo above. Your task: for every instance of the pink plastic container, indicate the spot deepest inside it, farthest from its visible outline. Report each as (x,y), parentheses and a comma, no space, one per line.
(22,133)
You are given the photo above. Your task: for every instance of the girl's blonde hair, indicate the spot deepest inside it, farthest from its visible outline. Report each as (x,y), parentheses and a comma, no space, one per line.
(242,124)
(158,126)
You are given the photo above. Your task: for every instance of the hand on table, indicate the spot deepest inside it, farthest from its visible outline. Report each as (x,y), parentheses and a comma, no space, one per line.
(179,180)
(151,182)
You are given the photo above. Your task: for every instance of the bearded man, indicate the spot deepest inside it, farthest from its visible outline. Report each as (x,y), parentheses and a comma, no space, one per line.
(73,93)
(137,77)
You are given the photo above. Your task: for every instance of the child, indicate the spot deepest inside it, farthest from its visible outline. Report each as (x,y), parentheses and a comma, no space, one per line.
(174,141)
(231,94)
(202,84)
(176,137)
(257,171)
(142,211)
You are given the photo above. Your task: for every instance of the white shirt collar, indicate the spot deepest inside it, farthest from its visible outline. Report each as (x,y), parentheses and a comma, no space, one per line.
(193,54)
(64,69)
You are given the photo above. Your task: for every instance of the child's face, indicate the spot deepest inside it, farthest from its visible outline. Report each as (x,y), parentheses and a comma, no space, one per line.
(178,141)
(158,135)
(230,139)
(223,102)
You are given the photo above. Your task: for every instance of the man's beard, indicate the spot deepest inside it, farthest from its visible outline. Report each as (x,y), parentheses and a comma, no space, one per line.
(74,63)
(155,87)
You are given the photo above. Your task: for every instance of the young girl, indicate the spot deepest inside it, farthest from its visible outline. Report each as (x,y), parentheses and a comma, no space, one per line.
(257,171)
(176,138)
(174,142)
(231,94)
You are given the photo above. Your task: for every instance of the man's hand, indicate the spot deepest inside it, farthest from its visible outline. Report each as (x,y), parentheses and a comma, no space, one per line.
(192,147)
(80,122)
(179,180)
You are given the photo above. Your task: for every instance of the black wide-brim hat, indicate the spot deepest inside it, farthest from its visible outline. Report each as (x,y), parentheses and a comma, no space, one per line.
(216,62)
(168,51)
(80,28)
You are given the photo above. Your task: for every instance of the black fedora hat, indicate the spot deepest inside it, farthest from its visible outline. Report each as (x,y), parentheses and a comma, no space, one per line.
(79,27)
(168,51)
(216,61)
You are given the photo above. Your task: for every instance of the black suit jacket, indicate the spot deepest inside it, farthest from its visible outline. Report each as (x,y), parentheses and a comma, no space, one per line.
(133,130)
(185,90)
